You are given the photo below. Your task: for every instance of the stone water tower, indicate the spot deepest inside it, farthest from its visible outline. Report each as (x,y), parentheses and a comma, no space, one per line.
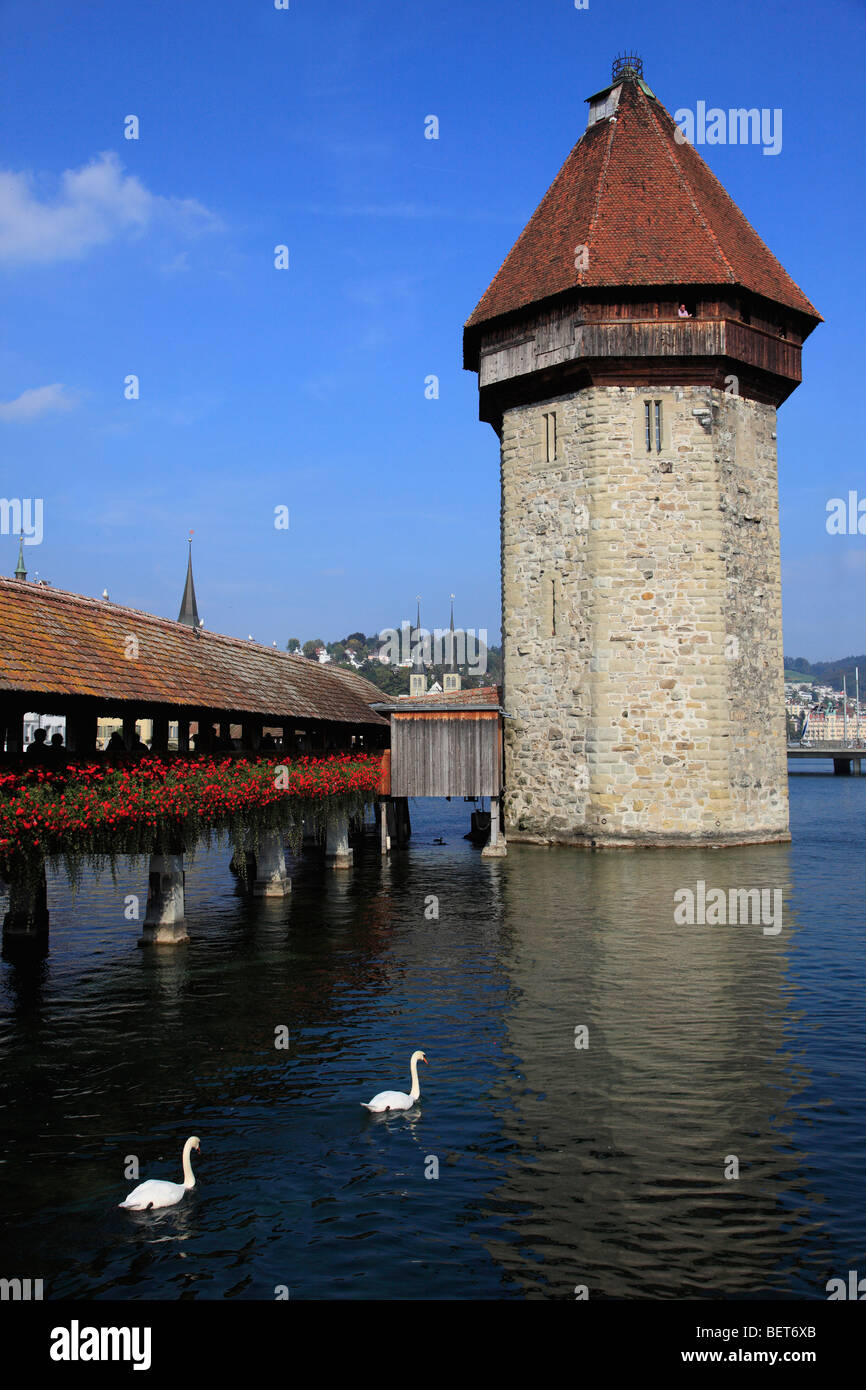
(631,355)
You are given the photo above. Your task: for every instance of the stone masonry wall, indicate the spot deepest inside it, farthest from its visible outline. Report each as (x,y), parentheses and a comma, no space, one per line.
(642,621)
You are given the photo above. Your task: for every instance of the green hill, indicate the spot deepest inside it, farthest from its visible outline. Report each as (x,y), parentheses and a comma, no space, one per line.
(827,672)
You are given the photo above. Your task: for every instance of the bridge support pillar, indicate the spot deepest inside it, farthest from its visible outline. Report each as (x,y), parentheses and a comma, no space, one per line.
(271,879)
(338,855)
(855,766)
(25,924)
(496,847)
(382,822)
(164,921)
(399,824)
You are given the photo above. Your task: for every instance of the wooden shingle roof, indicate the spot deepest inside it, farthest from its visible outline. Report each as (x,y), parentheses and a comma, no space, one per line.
(648,210)
(485,697)
(57,643)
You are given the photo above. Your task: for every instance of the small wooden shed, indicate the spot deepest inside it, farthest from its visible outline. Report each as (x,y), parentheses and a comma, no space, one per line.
(447,745)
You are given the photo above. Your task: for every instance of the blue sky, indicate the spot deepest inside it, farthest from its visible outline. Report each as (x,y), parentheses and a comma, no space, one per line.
(304,388)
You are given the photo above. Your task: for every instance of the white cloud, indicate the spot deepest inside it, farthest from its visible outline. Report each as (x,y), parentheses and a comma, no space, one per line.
(38,400)
(92,205)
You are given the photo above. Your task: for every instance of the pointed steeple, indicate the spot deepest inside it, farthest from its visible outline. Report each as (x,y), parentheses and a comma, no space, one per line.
(451,679)
(452,659)
(417,677)
(21,568)
(189,608)
(417,654)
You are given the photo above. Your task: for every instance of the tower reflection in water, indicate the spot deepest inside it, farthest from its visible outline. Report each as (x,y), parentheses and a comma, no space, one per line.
(654,1059)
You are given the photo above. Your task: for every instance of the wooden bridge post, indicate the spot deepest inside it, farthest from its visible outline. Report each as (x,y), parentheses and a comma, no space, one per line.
(338,855)
(399,822)
(81,730)
(496,847)
(159,738)
(13,731)
(251,727)
(271,879)
(382,822)
(164,920)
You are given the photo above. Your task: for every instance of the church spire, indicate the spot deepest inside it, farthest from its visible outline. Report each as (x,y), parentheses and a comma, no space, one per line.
(451,679)
(21,568)
(417,643)
(452,659)
(417,677)
(189,609)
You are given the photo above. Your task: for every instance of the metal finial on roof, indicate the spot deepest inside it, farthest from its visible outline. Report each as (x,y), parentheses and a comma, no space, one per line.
(626,67)
(189,608)
(21,568)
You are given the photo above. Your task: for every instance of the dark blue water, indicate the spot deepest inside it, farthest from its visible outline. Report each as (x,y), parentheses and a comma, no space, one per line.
(601,1166)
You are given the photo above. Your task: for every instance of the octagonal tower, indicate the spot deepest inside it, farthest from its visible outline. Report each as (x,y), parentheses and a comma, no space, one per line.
(631,354)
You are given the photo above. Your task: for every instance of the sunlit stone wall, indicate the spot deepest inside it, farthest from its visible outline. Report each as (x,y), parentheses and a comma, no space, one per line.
(642,619)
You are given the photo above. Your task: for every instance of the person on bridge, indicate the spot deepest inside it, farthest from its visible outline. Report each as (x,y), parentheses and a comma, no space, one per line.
(57,753)
(36,751)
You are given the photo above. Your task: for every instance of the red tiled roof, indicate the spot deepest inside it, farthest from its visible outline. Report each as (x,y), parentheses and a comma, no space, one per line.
(650,212)
(57,643)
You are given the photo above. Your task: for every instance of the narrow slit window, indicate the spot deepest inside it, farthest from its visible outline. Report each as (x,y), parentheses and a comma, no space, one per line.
(647,408)
(550,436)
(553,606)
(657,419)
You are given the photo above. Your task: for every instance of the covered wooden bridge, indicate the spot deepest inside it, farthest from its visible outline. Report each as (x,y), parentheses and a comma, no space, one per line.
(83,658)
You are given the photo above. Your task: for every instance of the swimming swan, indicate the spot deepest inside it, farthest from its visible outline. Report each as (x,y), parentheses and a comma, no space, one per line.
(398,1100)
(156,1193)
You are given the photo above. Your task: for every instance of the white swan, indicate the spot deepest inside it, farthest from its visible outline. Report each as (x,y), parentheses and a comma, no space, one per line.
(156,1193)
(398,1100)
